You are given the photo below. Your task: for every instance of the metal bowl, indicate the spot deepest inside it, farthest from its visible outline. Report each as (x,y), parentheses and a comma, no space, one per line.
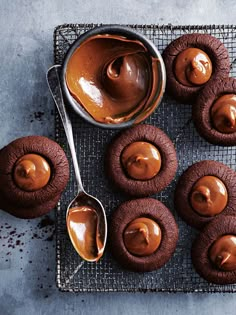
(121,31)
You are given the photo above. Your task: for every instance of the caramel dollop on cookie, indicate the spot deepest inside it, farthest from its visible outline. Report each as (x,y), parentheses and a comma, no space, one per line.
(141,160)
(223,253)
(142,236)
(192,61)
(32,172)
(214,112)
(205,190)
(223,113)
(209,196)
(193,67)
(214,251)
(134,173)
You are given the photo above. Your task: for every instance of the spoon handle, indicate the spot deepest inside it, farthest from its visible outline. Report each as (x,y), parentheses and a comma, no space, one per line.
(54,84)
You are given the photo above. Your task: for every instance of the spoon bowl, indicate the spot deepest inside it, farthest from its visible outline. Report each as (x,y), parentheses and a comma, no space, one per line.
(84,218)
(85,215)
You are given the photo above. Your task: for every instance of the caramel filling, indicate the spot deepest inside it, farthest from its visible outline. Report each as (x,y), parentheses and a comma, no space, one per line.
(223,253)
(83,228)
(142,237)
(223,113)
(113,78)
(141,160)
(209,196)
(193,67)
(31,172)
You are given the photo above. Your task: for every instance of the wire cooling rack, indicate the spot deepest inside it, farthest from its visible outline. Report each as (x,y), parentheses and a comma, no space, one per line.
(91,142)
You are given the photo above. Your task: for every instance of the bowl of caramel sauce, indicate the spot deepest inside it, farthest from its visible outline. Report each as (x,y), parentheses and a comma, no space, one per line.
(113,76)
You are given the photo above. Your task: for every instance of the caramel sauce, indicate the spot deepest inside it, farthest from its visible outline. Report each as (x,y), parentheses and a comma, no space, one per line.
(223,113)
(209,196)
(142,236)
(193,67)
(83,228)
(223,253)
(141,160)
(113,78)
(31,172)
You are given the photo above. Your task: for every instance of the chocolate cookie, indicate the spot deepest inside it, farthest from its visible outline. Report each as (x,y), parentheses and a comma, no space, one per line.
(214,251)
(141,161)
(214,112)
(29,212)
(143,234)
(205,190)
(191,61)
(34,171)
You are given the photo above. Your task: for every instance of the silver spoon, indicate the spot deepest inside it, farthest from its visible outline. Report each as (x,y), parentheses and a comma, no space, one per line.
(83,201)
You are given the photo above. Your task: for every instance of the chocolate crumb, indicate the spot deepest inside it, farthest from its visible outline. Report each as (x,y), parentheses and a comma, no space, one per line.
(50,238)
(35,235)
(46,221)
(38,115)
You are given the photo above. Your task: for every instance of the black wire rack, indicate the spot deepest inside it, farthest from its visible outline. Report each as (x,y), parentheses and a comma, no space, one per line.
(178,274)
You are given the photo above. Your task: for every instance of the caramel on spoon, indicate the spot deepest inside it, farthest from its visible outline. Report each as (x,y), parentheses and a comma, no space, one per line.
(85,216)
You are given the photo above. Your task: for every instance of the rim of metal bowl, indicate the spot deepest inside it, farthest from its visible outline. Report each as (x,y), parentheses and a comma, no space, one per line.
(122,31)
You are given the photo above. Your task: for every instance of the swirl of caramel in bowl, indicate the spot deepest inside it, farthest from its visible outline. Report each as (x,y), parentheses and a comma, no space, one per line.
(223,113)
(193,67)
(142,236)
(31,172)
(113,78)
(223,253)
(141,160)
(209,196)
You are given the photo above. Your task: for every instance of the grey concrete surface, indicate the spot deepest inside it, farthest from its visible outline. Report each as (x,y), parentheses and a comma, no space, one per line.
(27,248)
